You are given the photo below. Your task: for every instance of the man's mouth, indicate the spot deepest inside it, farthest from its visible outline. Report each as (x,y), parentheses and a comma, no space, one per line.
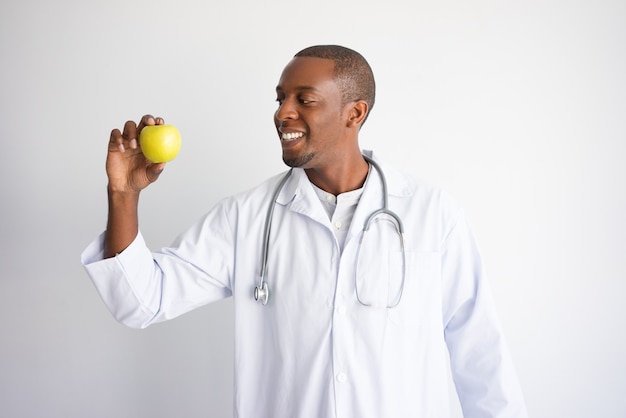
(290,136)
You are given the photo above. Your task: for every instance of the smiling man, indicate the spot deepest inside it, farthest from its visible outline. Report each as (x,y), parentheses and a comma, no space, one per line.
(319,116)
(338,325)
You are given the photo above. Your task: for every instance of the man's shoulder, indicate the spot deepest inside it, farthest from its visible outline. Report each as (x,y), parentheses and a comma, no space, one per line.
(261,192)
(405,184)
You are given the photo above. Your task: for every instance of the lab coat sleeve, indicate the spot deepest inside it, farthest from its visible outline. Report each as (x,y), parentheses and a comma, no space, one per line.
(482,369)
(141,287)
(123,281)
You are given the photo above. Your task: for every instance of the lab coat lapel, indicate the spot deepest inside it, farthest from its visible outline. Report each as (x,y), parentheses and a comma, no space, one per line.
(298,196)
(371,200)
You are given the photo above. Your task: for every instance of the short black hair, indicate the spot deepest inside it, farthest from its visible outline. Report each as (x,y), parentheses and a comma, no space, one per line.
(352,72)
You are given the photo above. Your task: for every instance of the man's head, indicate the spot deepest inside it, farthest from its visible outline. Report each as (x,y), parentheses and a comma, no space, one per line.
(324,96)
(352,72)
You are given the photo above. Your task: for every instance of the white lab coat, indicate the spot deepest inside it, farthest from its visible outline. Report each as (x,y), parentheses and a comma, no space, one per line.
(313,350)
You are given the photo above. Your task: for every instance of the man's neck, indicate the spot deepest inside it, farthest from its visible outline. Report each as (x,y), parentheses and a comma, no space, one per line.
(342,178)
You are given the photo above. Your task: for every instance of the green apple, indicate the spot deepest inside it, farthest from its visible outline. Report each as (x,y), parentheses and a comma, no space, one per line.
(160,143)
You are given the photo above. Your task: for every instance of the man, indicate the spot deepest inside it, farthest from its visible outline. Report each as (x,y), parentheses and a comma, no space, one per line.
(350,327)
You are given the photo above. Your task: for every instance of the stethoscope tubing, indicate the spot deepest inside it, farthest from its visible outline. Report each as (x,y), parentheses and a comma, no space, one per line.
(261,292)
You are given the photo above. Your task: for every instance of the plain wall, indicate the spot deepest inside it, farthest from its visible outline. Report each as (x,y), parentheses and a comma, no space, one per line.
(517,109)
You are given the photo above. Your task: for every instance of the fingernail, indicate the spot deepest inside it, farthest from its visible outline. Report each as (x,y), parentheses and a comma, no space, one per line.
(133,143)
(121,147)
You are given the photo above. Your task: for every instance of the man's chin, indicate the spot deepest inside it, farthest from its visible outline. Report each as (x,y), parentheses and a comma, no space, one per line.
(299,161)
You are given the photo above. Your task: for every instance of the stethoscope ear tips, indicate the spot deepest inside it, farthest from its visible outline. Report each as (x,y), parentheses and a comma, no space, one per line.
(262,293)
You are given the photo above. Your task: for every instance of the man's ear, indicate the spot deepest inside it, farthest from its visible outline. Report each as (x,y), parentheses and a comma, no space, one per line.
(357,114)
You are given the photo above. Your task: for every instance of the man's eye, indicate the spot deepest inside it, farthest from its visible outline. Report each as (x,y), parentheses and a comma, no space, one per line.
(305,100)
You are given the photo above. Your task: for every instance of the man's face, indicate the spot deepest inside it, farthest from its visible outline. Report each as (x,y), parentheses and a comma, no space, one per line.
(310,119)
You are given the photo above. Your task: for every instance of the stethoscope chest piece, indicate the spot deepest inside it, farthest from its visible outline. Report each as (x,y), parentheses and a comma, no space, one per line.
(262,293)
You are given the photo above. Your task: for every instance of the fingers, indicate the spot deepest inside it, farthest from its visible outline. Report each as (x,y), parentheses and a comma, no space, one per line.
(130,134)
(149,120)
(129,137)
(116,140)
(146,120)
(153,171)
(125,139)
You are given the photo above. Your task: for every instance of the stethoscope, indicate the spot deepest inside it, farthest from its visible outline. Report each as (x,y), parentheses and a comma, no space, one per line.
(262,293)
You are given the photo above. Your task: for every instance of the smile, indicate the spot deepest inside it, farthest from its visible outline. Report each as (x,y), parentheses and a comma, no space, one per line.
(291,136)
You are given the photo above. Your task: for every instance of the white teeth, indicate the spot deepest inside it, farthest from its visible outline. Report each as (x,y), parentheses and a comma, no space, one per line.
(291,136)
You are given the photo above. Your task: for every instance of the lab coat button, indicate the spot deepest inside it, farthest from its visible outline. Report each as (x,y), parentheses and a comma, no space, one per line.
(337,224)
(342,377)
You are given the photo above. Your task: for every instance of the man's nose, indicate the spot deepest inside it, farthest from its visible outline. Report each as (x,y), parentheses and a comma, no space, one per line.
(286,110)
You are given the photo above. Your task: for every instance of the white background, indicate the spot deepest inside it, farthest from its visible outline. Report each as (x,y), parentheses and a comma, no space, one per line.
(517,108)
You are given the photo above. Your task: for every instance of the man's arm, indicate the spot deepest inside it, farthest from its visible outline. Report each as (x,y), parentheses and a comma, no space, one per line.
(481,364)
(122,222)
(128,172)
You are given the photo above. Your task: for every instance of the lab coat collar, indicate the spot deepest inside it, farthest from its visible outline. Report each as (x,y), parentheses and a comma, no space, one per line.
(299,195)
(397,182)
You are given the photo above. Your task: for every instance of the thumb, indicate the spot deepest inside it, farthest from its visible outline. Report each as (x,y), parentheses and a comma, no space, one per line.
(153,171)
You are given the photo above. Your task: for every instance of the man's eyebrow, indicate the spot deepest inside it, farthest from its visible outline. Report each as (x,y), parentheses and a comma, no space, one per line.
(300,89)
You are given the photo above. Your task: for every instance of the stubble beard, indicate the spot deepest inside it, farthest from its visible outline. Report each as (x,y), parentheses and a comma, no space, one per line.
(299,161)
